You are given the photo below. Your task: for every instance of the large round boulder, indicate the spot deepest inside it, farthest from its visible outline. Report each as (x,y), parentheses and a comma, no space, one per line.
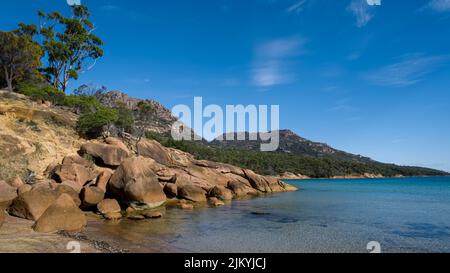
(103,179)
(110,209)
(135,183)
(108,206)
(91,196)
(171,190)
(267,184)
(73,175)
(118,143)
(192,193)
(109,155)
(221,193)
(62,215)
(7,195)
(25,188)
(240,189)
(152,149)
(166,175)
(76,159)
(33,203)
(17,182)
(258,182)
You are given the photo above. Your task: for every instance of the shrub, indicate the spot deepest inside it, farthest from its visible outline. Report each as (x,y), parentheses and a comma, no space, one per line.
(91,124)
(125,119)
(145,108)
(41,92)
(83,103)
(155,136)
(94,116)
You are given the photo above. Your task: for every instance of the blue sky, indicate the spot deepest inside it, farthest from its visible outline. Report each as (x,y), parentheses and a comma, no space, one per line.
(371,80)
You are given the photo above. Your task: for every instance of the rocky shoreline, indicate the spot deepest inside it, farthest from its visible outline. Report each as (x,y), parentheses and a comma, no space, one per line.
(124,178)
(51,180)
(291,176)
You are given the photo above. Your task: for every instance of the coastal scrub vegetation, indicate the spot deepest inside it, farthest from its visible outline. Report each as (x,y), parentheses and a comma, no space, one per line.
(40,91)
(277,163)
(95,118)
(92,124)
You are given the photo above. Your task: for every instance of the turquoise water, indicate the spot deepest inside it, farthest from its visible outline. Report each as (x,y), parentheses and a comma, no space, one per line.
(403,215)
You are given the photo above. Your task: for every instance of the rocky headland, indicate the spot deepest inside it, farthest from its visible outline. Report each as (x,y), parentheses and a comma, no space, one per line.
(51,179)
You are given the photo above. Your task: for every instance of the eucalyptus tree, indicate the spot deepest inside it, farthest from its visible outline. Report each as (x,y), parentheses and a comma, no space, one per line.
(69,44)
(20,57)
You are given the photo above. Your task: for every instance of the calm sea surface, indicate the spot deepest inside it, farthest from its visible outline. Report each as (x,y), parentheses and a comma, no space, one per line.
(403,215)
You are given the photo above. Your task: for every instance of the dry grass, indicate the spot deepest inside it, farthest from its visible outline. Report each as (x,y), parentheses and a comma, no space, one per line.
(33,136)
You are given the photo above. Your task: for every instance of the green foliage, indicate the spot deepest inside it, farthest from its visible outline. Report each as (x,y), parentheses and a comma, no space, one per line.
(20,58)
(95,117)
(69,43)
(145,112)
(155,136)
(279,163)
(91,124)
(185,146)
(82,104)
(25,30)
(145,108)
(89,158)
(125,120)
(41,92)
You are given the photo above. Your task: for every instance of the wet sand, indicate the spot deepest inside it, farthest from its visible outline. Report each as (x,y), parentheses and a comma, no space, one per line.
(17,236)
(99,236)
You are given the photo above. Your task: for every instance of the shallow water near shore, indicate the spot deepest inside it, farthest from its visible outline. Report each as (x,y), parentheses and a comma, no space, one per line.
(403,215)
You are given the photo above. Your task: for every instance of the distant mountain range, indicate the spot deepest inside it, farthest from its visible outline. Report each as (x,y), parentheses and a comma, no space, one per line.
(290,143)
(295,154)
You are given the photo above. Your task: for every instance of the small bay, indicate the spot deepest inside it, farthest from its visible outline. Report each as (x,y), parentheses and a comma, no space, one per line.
(401,214)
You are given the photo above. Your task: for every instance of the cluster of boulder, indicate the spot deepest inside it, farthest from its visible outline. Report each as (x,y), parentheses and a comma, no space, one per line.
(117,180)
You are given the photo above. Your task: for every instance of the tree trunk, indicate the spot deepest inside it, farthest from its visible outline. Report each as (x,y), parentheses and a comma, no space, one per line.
(56,78)
(64,87)
(55,83)
(9,80)
(65,81)
(10,86)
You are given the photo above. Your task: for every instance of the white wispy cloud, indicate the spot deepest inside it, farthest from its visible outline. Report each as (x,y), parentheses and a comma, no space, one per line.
(271,65)
(408,71)
(361,10)
(297,7)
(439,5)
(269,74)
